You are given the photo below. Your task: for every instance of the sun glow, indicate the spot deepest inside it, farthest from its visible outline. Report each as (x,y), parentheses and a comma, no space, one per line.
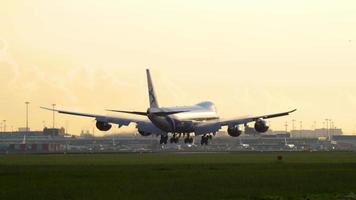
(249,57)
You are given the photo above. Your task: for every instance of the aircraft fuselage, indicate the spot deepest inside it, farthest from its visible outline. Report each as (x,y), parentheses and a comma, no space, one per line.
(182,122)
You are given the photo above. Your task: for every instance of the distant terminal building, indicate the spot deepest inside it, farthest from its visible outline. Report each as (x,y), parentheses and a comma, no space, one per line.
(270,133)
(24,129)
(54,132)
(27,141)
(345,142)
(317,133)
(86,134)
(276,134)
(345,138)
(36,147)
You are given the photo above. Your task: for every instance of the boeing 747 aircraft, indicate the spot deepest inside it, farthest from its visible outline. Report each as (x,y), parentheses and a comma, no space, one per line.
(185,121)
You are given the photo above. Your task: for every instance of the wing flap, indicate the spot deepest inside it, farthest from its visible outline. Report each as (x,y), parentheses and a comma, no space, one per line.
(129,112)
(245,120)
(121,121)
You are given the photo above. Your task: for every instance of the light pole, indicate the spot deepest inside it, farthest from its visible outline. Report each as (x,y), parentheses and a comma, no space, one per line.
(4,125)
(27,116)
(301,125)
(300,128)
(323,125)
(314,125)
(327,127)
(53,106)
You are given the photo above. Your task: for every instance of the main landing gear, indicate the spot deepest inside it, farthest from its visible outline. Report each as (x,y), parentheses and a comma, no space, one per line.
(205,138)
(174,139)
(188,140)
(164,139)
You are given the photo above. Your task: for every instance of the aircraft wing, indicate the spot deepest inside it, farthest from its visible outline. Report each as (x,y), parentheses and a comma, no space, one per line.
(121,121)
(215,125)
(245,120)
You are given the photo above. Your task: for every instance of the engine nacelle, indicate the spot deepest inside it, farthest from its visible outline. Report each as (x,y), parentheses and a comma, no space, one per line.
(144,133)
(234,131)
(103,126)
(261,126)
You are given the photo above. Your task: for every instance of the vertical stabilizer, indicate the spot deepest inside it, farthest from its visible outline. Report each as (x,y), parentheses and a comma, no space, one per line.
(151,91)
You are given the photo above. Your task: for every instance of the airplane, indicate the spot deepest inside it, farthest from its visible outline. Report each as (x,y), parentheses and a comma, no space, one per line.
(200,120)
(246,146)
(290,146)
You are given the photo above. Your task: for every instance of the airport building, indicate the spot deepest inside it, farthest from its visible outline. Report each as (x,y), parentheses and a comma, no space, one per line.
(55,141)
(36,147)
(317,133)
(53,132)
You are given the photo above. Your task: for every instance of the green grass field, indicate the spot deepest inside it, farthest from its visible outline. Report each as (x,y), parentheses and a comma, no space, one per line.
(317,175)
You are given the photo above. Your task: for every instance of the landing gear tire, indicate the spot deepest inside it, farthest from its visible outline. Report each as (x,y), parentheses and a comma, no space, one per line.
(164,139)
(204,140)
(174,140)
(188,140)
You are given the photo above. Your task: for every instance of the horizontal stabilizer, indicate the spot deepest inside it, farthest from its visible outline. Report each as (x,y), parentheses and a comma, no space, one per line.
(129,112)
(159,113)
(168,113)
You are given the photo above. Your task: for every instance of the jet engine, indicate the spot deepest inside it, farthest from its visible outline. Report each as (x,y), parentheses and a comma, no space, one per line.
(261,126)
(144,133)
(103,126)
(234,131)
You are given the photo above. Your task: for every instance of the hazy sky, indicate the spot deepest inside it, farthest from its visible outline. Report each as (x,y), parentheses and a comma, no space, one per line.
(249,57)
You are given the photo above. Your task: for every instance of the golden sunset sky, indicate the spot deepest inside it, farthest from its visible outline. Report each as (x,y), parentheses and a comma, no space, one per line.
(249,57)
